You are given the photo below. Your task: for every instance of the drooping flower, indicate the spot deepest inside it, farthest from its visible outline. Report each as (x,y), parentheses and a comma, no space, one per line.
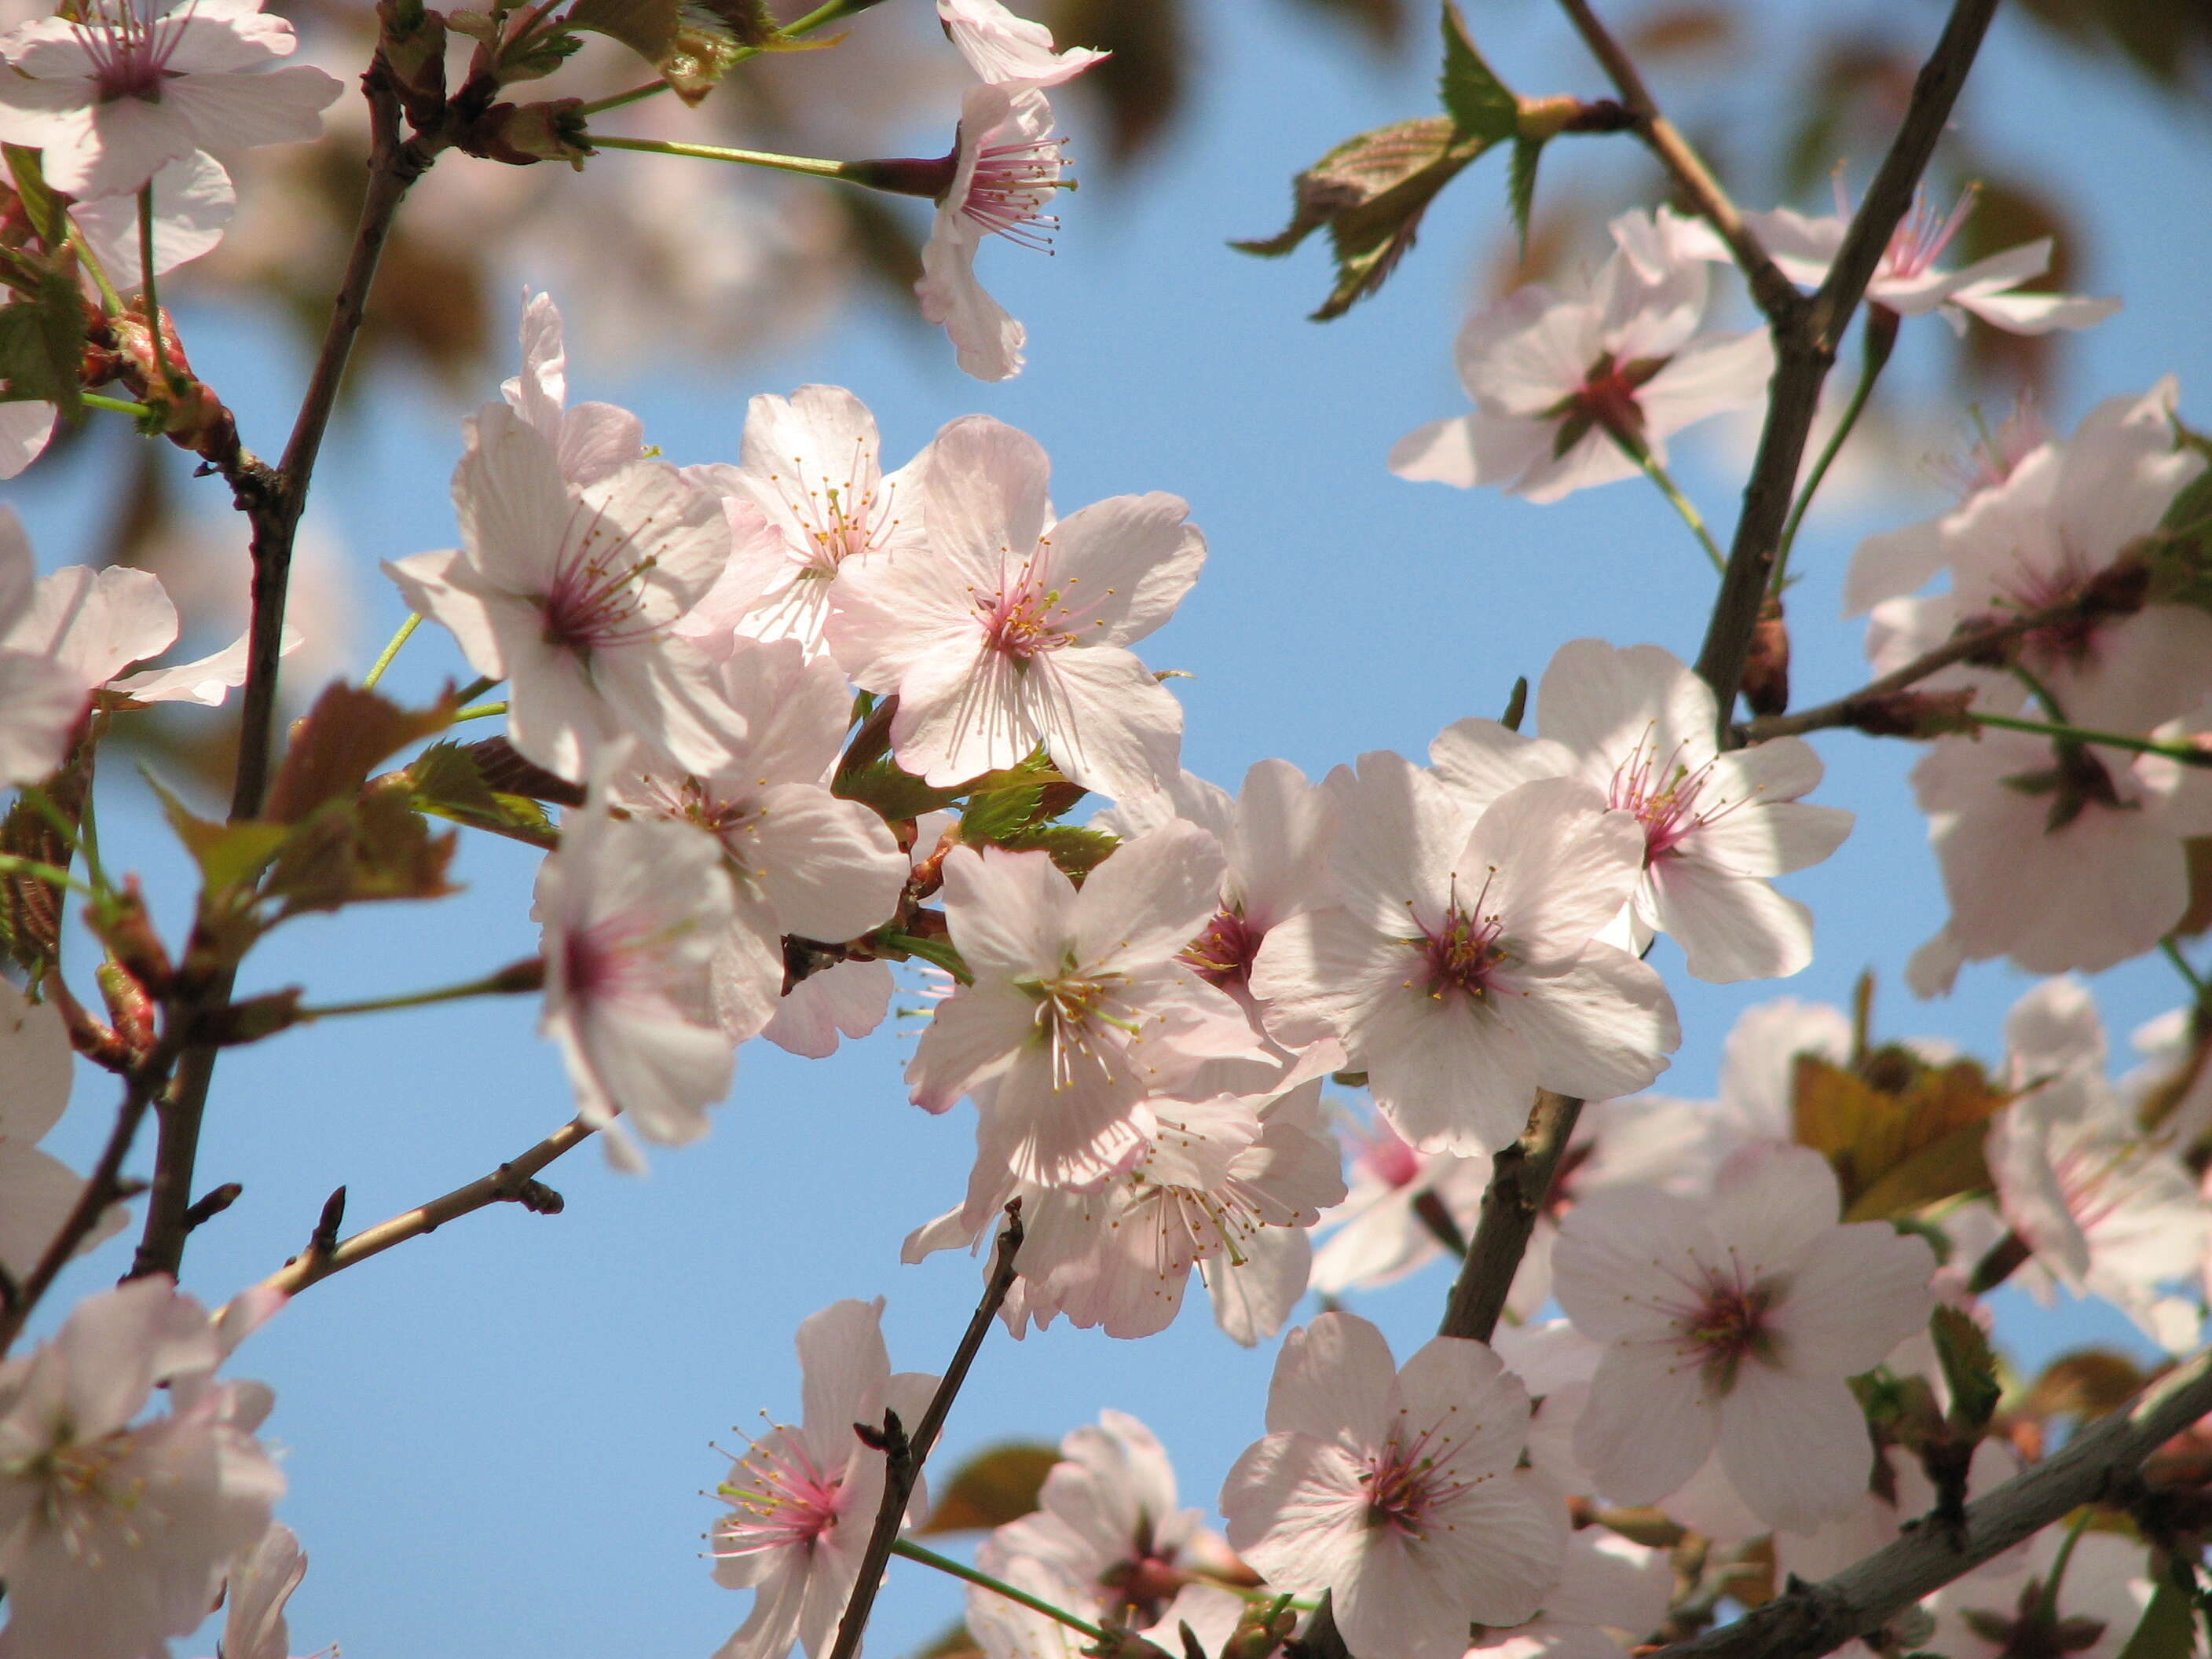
(1006,1629)
(1461,970)
(1565,384)
(810,471)
(115,1533)
(803,1499)
(847,999)
(802,861)
(111,97)
(1012,628)
(1731,1321)
(1081,1009)
(1397,1491)
(633,912)
(569,592)
(1638,725)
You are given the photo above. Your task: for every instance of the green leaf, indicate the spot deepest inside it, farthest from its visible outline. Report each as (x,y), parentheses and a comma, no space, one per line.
(229,855)
(1520,185)
(1476,100)
(48,218)
(894,792)
(2168,1630)
(997,1484)
(448,782)
(992,817)
(42,343)
(1970,1367)
(1075,850)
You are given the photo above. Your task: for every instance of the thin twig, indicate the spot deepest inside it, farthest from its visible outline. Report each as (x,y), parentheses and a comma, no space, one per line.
(1776,295)
(2094,1465)
(905,1454)
(513,1182)
(1518,1187)
(1805,349)
(1850,708)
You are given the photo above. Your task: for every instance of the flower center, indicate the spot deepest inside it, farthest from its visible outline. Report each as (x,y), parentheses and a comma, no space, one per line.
(1022,620)
(783,1498)
(1917,243)
(842,522)
(1407,1482)
(129,49)
(1462,954)
(1728,1322)
(1011,186)
(1387,1158)
(1664,794)
(1223,954)
(1074,1009)
(593,601)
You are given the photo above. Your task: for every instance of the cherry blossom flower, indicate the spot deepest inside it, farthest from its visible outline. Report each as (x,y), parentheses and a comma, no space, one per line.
(803,1499)
(591,439)
(1461,971)
(37,1190)
(810,477)
(800,861)
(262,1579)
(1611,1592)
(2063,512)
(1376,1235)
(1007,167)
(569,592)
(1907,280)
(193,202)
(1012,629)
(113,97)
(1563,381)
(2101,1598)
(847,999)
(1397,1491)
(1638,725)
(1005,1629)
(115,1535)
(1000,46)
(2107,1212)
(634,913)
(1080,1008)
(25,429)
(1731,1321)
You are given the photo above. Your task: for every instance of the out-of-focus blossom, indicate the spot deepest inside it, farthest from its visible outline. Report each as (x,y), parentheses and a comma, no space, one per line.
(1011,628)
(1566,383)
(1376,1235)
(1397,1491)
(112,98)
(634,913)
(1080,1009)
(1732,1321)
(262,1579)
(1611,1592)
(37,1190)
(591,439)
(804,1500)
(569,592)
(1638,726)
(1461,971)
(115,1534)
(2098,1603)
(1001,47)
(808,494)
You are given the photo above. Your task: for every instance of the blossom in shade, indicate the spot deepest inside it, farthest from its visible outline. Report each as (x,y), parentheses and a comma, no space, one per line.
(590,440)
(1730,1322)
(1906,280)
(1011,628)
(807,495)
(800,861)
(111,97)
(845,1000)
(1007,167)
(1080,1010)
(25,429)
(1640,725)
(1000,46)
(1611,1593)
(803,1499)
(1397,1491)
(115,1534)
(2107,1211)
(1376,1235)
(2095,1606)
(569,592)
(37,1190)
(633,912)
(1460,970)
(1567,383)
(1005,1629)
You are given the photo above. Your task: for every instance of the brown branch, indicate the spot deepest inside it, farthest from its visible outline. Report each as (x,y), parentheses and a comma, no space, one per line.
(1969,642)
(1806,351)
(1518,1187)
(1776,295)
(513,1182)
(2096,1464)
(905,1454)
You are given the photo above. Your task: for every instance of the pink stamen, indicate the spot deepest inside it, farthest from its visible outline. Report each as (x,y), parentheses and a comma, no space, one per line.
(1010,186)
(781,1497)
(130,49)
(592,602)
(1665,795)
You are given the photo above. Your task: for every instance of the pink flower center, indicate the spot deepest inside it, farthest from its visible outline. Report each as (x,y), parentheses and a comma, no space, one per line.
(842,522)
(1011,186)
(129,49)
(1664,794)
(592,602)
(783,1498)
(1385,1156)
(1463,953)
(1075,1012)
(1023,619)
(1223,954)
(1919,241)
(1723,1320)
(617,961)
(1407,1482)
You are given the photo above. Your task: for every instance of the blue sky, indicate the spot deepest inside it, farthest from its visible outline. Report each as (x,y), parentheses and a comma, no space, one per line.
(496,1436)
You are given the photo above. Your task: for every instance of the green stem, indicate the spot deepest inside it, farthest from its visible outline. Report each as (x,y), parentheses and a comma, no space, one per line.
(384,656)
(506,982)
(1634,449)
(936,951)
(928,1558)
(119,406)
(474,690)
(812,21)
(146,282)
(813,166)
(2173,949)
(2187,754)
(1880,337)
(111,302)
(2041,692)
(478,711)
(2047,1607)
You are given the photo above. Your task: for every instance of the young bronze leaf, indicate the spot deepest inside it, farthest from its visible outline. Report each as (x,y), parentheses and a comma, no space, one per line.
(1896,1149)
(449,780)
(336,743)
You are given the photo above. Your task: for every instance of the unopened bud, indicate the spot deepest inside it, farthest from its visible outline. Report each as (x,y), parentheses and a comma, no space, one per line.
(1767,670)
(124,928)
(248,1021)
(521,134)
(129,1008)
(412,42)
(1914,714)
